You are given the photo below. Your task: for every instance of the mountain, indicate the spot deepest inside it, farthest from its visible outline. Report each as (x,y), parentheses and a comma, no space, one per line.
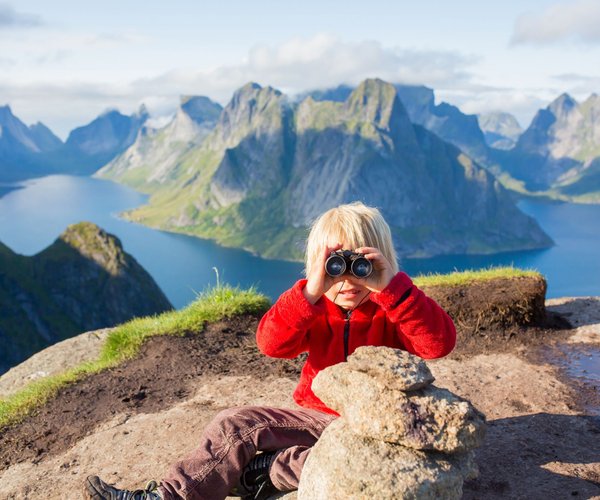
(151,159)
(270,166)
(560,150)
(35,151)
(22,148)
(501,130)
(83,281)
(44,137)
(445,120)
(91,146)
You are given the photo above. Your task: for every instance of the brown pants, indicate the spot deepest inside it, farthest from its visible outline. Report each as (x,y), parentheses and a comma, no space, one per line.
(233,438)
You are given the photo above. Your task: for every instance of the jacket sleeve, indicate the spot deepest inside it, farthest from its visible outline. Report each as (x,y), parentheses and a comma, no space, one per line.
(283,330)
(423,327)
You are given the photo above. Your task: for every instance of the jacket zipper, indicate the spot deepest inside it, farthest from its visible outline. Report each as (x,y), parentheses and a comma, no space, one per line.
(346,334)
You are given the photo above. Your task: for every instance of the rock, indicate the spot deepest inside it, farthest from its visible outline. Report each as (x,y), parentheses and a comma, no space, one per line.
(400,368)
(54,360)
(344,465)
(391,441)
(375,406)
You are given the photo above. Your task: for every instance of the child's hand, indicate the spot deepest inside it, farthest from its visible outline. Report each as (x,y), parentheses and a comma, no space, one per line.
(382,270)
(318,280)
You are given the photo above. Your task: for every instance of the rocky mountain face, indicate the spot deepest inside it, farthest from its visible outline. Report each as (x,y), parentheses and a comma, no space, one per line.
(501,130)
(443,119)
(560,150)
(22,148)
(271,166)
(156,153)
(83,281)
(93,145)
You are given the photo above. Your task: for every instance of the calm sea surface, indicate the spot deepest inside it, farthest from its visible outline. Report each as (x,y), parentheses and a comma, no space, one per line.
(32,217)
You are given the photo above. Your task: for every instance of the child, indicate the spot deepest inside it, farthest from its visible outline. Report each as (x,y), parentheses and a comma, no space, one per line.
(328,318)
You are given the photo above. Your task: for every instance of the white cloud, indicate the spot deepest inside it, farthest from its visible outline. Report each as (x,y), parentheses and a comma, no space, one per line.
(317,62)
(575,20)
(297,65)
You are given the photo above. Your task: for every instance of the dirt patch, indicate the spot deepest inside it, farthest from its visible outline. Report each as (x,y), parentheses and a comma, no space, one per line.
(499,315)
(165,373)
(500,302)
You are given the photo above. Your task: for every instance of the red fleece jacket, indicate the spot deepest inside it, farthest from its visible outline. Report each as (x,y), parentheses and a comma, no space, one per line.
(400,316)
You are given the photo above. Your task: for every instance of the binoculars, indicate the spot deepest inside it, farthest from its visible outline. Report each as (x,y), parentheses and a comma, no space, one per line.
(341,261)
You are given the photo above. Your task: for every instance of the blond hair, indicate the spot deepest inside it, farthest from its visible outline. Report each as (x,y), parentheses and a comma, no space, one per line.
(355,225)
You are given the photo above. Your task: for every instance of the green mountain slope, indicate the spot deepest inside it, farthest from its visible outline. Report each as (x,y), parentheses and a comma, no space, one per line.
(83,281)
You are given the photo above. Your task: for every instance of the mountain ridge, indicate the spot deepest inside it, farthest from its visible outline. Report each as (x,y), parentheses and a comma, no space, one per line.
(271,165)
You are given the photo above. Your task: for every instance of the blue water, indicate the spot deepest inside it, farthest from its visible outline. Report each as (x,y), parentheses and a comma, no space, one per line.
(32,217)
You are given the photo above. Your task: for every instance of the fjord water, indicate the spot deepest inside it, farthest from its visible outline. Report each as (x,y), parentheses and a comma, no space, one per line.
(32,217)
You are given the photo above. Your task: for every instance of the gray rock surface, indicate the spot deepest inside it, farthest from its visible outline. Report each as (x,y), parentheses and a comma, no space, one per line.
(344,465)
(377,406)
(398,368)
(53,360)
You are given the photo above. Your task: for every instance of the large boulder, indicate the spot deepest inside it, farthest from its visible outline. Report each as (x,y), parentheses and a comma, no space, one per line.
(344,465)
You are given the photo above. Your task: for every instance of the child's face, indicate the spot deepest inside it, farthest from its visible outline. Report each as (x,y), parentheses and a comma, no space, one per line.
(350,293)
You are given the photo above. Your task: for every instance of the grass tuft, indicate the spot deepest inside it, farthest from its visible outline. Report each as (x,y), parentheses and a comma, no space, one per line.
(470,276)
(125,341)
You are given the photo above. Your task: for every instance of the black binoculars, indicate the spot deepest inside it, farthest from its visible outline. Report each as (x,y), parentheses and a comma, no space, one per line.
(340,261)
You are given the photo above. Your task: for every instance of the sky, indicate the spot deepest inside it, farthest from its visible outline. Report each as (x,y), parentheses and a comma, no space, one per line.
(65,62)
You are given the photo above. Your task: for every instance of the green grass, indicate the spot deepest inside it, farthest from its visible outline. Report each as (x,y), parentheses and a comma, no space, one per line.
(470,276)
(125,341)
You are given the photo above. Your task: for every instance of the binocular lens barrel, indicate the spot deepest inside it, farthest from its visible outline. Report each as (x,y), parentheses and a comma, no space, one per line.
(337,264)
(361,267)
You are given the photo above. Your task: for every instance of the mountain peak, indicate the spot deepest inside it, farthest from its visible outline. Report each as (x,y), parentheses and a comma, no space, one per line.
(252,90)
(563,103)
(592,99)
(6,114)
(250,106)
(200,108)
(377,102)
(142,112)
(95,244)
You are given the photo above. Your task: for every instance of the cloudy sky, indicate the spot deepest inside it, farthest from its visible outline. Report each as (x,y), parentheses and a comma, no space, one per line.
(64,62)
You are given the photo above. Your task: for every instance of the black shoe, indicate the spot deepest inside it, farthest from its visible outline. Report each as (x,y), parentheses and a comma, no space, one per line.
(255,483)
(96,489)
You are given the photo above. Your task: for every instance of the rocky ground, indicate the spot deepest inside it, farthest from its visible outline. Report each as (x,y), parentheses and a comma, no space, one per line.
(128,424)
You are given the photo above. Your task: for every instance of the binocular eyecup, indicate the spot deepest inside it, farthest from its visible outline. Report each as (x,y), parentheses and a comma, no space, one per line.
(340,261)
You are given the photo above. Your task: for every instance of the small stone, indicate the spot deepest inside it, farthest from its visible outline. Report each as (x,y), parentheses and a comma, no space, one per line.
(395,367)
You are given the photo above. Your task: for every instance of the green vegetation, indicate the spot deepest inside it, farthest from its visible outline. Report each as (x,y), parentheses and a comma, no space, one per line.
(124,342)
(470,276)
